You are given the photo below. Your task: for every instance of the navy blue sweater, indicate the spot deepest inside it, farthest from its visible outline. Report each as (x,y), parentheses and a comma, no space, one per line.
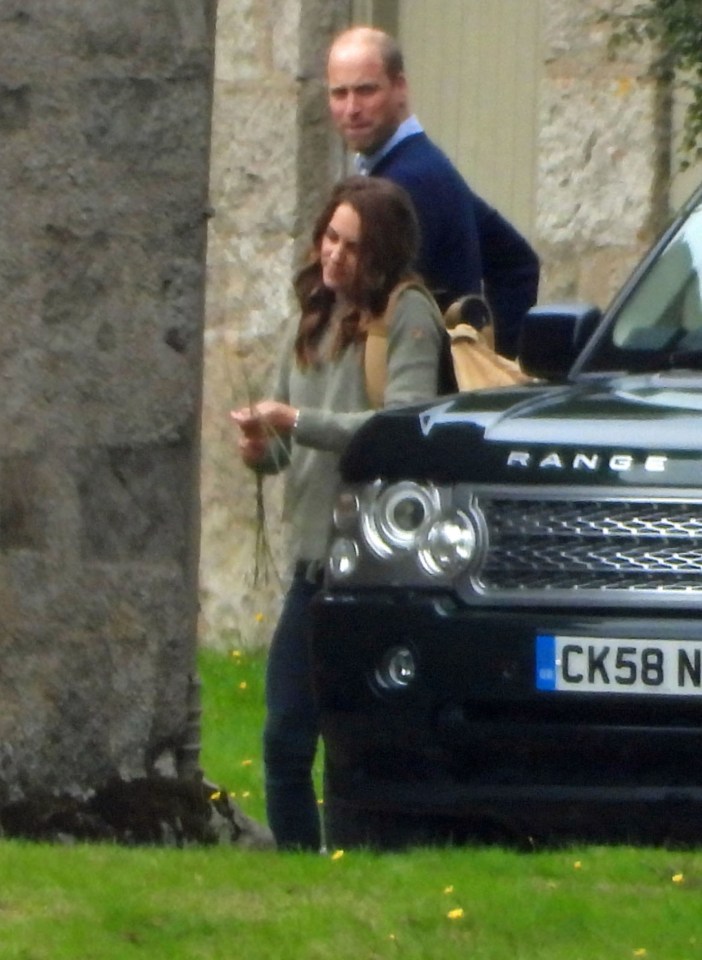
(465,242)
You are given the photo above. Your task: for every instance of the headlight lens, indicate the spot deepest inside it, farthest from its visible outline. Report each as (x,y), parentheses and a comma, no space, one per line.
(397,670)
(405,533)
(343,557)
(450,545)
(399,517)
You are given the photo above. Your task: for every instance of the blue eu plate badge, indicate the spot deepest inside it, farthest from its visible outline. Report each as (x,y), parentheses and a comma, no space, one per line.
(545,662)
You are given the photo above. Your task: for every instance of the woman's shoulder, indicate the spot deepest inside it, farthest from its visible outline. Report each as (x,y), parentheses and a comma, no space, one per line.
(416,318)
(414,301)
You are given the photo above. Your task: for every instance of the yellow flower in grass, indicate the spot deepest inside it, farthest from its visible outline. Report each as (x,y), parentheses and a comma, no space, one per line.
(640,952)
(236,654)
(337,855)
(246,763)
(448,889)
(678,878)
(243,685)
(578,865)
(455,914)
(260,617)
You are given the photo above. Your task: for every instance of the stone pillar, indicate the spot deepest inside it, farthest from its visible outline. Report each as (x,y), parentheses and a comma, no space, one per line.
(273,160)
(104,134)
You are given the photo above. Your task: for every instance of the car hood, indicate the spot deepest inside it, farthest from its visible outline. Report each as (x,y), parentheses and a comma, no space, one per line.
(639,429)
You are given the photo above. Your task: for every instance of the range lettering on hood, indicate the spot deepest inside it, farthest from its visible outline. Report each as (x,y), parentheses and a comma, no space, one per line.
(586,461)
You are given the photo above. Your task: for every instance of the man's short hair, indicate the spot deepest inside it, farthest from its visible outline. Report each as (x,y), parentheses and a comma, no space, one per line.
(387,46)
(391,53)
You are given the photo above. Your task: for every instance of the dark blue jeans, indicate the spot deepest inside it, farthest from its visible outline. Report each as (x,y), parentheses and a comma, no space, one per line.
(291,731)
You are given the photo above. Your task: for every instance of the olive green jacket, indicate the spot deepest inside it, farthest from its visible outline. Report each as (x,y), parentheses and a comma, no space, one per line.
(333,404)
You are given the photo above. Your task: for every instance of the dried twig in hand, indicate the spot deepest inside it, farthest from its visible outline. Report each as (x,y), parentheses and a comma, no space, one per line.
(264,561)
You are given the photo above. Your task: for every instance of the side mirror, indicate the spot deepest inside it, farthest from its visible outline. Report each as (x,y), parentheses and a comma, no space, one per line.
(552,337)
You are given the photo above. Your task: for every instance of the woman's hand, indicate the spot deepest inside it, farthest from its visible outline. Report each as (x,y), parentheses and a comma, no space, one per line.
(277,417)
(258,423)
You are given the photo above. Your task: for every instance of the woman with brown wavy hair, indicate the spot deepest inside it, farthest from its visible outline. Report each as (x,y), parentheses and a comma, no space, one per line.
(364,244)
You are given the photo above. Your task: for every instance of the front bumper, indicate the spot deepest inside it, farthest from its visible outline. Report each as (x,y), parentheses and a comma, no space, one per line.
(472,740)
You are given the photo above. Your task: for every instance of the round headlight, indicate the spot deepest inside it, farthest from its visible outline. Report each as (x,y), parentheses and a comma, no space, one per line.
(397,669)
(399,516)
(450,545)
(343,558)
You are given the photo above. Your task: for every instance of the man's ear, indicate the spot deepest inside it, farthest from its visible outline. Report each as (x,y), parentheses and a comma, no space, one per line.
(402,88)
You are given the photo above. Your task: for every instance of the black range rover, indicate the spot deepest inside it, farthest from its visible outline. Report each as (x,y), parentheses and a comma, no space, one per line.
(508,645)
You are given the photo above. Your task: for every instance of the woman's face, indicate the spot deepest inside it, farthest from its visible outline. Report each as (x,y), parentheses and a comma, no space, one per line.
(339,251)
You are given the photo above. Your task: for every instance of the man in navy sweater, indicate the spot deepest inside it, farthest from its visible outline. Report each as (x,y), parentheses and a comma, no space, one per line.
(467,246)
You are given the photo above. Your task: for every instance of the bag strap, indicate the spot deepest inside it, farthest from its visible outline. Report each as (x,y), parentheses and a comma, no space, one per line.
(375,359)
(468,318)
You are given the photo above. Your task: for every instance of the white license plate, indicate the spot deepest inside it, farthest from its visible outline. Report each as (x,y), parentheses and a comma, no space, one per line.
(596,665)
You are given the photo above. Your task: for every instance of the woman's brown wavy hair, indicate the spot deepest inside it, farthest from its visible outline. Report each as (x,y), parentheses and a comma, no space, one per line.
(388,248)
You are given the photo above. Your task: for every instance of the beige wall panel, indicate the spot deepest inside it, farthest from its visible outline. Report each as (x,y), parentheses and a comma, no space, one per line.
(474,69)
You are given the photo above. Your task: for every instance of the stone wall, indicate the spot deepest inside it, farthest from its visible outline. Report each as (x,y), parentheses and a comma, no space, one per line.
(273,160)
(603,175)
(104,129)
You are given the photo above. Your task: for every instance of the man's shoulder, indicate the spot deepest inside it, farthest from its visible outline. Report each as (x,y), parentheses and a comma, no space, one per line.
(417,147)
(417,158)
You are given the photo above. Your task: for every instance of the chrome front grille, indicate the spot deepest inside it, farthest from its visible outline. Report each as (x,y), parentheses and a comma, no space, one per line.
(548,545)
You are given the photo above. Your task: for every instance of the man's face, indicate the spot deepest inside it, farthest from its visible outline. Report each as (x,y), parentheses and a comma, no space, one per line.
(366,106)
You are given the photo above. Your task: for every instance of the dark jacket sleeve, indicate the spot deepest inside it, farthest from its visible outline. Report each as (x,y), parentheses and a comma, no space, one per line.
(467,246)
(510,274)
(449,258)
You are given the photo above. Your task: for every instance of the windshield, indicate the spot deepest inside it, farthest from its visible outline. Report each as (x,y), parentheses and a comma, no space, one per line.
(659,324)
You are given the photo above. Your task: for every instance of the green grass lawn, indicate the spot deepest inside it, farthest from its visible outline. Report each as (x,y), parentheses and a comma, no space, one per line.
(232,693)
(102,902)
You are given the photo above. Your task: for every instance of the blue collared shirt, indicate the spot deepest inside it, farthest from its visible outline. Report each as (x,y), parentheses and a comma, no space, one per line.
(364,163)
